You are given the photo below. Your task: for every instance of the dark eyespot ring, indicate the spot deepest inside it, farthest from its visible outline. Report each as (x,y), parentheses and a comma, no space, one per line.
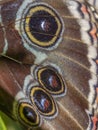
(27,115)
(51,80)
(42,25)
(43,101)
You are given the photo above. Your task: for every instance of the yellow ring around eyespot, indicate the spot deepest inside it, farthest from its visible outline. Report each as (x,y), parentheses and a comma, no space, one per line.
(52,113)
(33,39)
(22,117)
(39,79)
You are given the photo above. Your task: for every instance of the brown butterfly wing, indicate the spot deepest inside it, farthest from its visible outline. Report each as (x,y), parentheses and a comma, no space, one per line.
(12,45)
(75,58)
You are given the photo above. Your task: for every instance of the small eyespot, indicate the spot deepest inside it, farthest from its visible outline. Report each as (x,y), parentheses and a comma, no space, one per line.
(43,102)
(41,26)
(27,115)
(51,80)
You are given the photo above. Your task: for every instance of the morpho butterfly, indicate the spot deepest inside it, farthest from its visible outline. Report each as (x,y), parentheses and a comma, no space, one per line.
(49,63)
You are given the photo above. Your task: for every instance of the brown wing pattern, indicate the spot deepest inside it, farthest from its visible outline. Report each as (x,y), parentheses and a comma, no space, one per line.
(54,85)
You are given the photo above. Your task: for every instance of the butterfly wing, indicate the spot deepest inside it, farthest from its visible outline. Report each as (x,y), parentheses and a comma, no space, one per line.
(9,85)
(94,3)
(11,44)
(78,65)
(74,58)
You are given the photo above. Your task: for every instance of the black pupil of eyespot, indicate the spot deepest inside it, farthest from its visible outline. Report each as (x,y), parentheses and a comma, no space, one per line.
(51,80)
(43,26)
(29,114)
(42,101)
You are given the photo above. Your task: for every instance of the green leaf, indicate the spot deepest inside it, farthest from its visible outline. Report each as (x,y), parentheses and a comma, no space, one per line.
(2,125)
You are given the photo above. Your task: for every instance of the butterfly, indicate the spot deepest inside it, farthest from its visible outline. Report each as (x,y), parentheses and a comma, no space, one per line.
(49,63)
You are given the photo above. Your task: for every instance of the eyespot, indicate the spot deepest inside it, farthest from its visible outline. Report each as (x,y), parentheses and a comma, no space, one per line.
(41,25)
(27,115)
(51,80)
(43,102)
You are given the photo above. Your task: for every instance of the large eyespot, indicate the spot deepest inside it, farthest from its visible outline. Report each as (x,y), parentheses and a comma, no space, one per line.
(43,101)
(51,80)
(41,25)
(27,115)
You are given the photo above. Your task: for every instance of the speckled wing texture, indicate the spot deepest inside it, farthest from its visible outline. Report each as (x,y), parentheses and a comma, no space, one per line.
(58,90)
(94,3)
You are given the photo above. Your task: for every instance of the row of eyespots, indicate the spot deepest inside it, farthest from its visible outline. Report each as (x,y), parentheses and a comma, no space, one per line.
(42,27)
(42,103)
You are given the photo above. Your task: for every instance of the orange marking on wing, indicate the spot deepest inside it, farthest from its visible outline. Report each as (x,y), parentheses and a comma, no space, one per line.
(97,61)
(93,33)
(97,90)
(54,82)
(84,9)
(46,104)
(97,99)
(94,120)
(97,95)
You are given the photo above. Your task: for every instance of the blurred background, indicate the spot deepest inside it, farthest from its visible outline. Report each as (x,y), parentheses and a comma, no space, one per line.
(8,123)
